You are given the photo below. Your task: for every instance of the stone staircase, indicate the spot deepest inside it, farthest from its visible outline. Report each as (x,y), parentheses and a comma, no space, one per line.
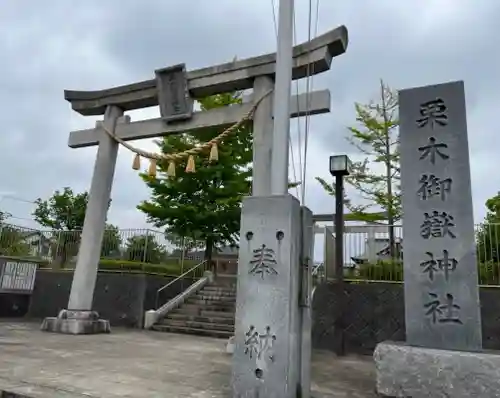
(210,312)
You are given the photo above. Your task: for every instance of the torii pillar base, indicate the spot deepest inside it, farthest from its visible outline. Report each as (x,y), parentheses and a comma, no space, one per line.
(76,322)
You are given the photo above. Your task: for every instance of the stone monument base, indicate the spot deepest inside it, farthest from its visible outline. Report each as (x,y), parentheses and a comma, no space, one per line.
(76,322)
(406,371)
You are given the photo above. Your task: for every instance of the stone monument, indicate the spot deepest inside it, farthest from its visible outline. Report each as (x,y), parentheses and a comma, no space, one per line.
(442,355)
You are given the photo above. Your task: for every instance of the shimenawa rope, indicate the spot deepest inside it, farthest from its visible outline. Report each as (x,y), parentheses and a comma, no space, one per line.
(176,157)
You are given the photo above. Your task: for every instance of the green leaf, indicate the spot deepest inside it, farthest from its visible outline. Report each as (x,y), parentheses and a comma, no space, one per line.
(204,206)
(65,211)
(377,176)
(376,136)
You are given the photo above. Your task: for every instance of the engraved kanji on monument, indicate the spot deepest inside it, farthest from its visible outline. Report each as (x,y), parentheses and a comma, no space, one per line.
(267,331)
(440,268)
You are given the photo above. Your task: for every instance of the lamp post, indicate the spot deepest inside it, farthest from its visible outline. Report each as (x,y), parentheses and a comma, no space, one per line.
(340,166)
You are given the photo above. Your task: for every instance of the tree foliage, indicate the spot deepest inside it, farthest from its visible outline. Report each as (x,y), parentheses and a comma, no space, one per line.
(4,216)
(376,137)
(64,214)
(376,177)
(111,241)
(183,245)
(144,248)
(186,242)
(206,205)
(62,211)
(13,241)
(488,234)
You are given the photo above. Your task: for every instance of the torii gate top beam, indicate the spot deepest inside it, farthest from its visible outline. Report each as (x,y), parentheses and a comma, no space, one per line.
(312,57)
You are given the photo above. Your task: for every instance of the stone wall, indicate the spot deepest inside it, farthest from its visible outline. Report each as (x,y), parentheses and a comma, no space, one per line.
(13,305)
(375,312)
(120,298)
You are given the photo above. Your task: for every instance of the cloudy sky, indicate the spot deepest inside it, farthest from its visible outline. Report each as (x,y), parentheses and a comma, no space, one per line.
(49,46)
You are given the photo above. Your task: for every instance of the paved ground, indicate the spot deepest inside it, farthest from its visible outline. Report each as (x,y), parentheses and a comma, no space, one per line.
(144,364)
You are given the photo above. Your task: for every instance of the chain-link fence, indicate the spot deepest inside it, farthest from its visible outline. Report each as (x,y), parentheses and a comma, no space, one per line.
(124,249)
(370,253)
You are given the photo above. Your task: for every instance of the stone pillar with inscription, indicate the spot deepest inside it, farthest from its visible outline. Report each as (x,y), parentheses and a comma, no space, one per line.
(266,359)
(442,309)
(440,268)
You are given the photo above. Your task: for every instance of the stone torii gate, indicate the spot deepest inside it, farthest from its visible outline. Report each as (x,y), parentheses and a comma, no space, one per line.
(270,346)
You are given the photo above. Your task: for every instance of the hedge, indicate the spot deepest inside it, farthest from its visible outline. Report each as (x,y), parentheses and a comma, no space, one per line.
(173,268)
(136,266)
(381,270)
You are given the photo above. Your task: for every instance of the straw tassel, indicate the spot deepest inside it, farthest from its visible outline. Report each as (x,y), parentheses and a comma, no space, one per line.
(171,169)
(190,168)
(214,153)
(152,168)
(136,165)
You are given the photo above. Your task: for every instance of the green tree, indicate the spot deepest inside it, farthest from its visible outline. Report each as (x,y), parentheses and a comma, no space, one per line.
(205,205)
(4,216)
(181,241)
(144,248)
(111,241)
(63,211)
(488,234)
(377,137)
(64,214)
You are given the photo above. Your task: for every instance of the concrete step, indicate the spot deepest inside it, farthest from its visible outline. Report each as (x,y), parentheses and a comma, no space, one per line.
(219,289)
(212,303)
(218,314)
(218,293)
(214,297)
(199,318)
(197,325)
(200,332)
(190,308)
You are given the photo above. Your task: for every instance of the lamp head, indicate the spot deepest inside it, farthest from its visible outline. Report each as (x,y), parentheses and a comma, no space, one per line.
(340,165)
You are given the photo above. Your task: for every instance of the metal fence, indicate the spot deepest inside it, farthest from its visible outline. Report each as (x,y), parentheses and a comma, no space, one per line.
(368,254)
(126,249)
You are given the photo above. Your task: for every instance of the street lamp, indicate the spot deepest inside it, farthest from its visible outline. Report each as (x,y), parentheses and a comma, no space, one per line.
(340,166)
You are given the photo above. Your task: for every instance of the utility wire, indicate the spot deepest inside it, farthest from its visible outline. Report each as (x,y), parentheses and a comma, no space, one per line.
(17,218)
(296,83)
(290,143)
(309,88)
(17,199)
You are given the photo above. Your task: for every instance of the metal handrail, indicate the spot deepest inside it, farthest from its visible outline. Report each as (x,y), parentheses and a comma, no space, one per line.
(317,268)
(316,272)
(177,279)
